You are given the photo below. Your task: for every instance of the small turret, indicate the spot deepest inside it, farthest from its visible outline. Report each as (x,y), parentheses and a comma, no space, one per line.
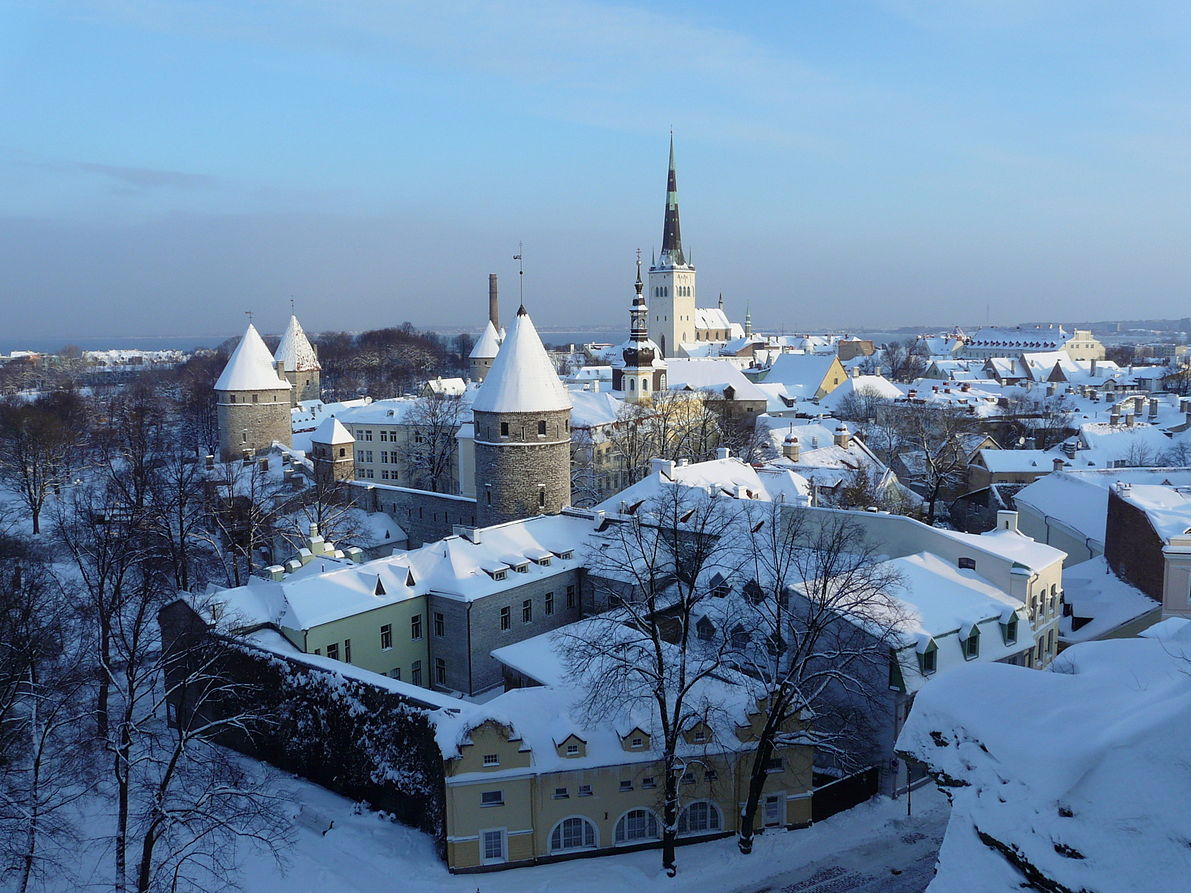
(843,436)
(790,446)
(333,450)
(298,363)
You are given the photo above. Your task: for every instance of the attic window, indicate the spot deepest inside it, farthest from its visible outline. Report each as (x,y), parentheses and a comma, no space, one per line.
(565,556)
(637,741)
(498,575)
(700,736)
(379,588)
(971,645)
(543,562)
(572,750)
(1009,629)
(522,568)
(491,759)
(967,564)
(928,659)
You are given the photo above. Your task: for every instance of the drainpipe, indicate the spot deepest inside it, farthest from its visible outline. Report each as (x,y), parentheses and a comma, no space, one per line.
(469,679)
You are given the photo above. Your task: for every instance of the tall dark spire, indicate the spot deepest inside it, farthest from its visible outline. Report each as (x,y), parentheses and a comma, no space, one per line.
(672,233)
(639,329)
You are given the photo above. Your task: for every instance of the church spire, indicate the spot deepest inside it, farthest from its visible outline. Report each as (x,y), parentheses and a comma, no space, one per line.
(639,329)
(672,232)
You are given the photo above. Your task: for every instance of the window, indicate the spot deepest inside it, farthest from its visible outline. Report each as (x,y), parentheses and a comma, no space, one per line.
(637,824)
(415,626)
(522,568)
(491,759)
(647,782)
(386,637)
(688,778)
(710,775)
(637,742)
(968,564)
(549,603)
(505,621)
(255,398)
(575,833)
(367,436)
(504,429)
(492,798)
(561,794)
(333,651)
(527,611)
(494,847)
(584,790)
(440,671)
(499,575)
(570,596)
(971,645)
(347,650)
(416,672)
(543,562)
(1009,629)
(440,624)
(541,497)
(775,764)
(626,785)
(395,673)
(318,651)
(701,817)
(700,736)
(572,750)
(928,660)
(541,428)
(773,810)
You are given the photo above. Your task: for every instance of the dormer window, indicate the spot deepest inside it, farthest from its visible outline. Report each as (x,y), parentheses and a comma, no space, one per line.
(522,568)
(637,742)
(700,735)
(566,556)
(971,645)
(967,564)
(1009,629)
(928,659)
(572,750)
(543,562)
(499,575)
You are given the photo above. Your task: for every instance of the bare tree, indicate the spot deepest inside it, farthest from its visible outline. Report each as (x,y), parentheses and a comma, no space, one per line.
(932,450)
(435,419)
(36,443)
(243,505)
(904,360)
(811,626)
(653,565)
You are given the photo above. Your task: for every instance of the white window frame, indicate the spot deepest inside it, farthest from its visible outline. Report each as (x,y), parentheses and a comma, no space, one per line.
(595,836)
(657,822)
(485,859)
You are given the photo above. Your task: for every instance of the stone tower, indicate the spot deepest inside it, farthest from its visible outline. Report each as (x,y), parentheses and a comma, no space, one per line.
(252,400)
(522,432)
(639,370)
(302,368)
(672,280)
(333,452)
(479,362)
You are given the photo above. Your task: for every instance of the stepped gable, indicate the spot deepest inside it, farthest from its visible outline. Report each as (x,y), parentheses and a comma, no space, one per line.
(251,367)
(295,349)
(522,378)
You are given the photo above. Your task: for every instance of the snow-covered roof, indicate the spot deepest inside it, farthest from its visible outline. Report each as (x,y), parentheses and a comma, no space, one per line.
(1020,338)
(711,318)
(590,409)
(727,477)
(1017,461)
(715,374)
(863,386)
(1079,772)
(1168,508)
(489,344)
(295,349)
(331,431)
(250,367)
(1101,600)
(801,372)
(522,378)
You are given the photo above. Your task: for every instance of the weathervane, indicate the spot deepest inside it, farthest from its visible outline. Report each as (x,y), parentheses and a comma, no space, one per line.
(248,313)
(520,273)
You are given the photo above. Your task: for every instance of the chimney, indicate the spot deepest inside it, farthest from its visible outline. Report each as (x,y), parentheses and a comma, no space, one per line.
(1154,409)
(855,371)
(1007,520)
(280,364)
(276,572)
(791,448)
(1114,415)
(723,453)
(1050,389)
(493,302)
(843,437)
(1093,367)
(665,466)
(210,462)
(1129,420)
(1058,464)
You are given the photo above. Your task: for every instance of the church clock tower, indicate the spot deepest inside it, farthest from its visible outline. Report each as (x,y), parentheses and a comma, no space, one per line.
(671,280)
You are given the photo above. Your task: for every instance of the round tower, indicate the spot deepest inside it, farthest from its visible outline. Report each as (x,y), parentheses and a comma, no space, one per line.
(252,400)
(479,362)
(301,365)
(333,452)
(522,416)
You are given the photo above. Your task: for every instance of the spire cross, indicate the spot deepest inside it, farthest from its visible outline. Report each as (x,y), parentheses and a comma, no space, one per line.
(291,306)
(248,313)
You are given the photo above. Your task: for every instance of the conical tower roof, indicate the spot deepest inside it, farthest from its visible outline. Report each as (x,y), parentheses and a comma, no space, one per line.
(522,378)
(332,431)
(295,349)
(488,345)
(250,367)
(672,230)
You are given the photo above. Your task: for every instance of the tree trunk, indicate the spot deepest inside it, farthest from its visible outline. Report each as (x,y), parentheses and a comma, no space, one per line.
(36,513)
(748,814)
(103,690)
(670,822)
(122,756)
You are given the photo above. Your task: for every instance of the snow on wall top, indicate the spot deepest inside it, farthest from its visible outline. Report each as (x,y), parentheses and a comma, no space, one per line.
(295,349)
(250,367)
(332,431)
(1081,770)
(489,344)
(522,378)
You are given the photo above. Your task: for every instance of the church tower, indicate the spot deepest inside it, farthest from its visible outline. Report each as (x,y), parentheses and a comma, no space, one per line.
(333,452)
(639,369)
(672,280)
(522,416)
(252,400)
(302,368)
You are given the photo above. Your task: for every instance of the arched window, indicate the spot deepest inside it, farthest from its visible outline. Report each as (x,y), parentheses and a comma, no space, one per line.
(637,824)
(701,817)
(575,833)
(645,384)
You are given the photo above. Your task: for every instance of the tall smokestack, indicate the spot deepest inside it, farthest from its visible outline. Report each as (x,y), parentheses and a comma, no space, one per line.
(493,302)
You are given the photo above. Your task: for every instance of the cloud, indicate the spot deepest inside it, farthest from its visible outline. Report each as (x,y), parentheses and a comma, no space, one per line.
(144,178)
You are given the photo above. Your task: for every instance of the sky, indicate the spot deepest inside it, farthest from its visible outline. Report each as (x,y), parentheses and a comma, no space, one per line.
(166,165)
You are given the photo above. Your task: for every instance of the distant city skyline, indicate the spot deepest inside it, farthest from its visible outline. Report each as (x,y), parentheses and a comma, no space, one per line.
(862,164)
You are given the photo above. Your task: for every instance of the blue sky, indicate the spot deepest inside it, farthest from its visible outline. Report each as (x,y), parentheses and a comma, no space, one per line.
(167,164)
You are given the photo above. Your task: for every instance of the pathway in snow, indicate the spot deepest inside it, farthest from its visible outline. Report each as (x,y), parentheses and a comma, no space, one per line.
(909,847)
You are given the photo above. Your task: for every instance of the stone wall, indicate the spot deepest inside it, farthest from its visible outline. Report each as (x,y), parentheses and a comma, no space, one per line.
(521,473)
(247,425)
(306,385)
(425,516)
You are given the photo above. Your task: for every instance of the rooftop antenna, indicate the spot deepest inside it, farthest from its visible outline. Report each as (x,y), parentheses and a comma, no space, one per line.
(520,273)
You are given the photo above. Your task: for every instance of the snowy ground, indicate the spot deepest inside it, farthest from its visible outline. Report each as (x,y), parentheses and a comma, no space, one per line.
(854,852)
